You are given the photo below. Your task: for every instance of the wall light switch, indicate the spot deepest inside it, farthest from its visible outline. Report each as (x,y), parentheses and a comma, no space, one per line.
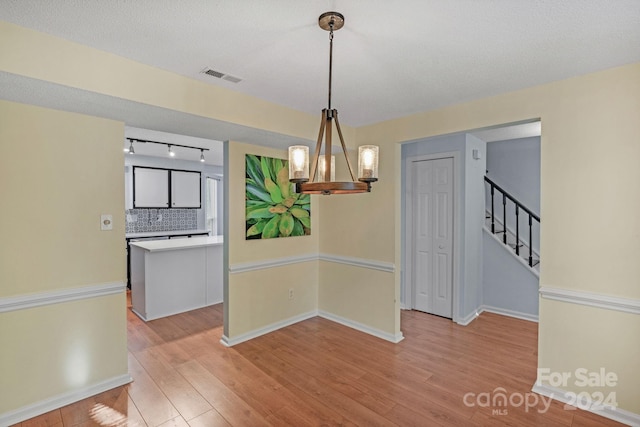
(106,222)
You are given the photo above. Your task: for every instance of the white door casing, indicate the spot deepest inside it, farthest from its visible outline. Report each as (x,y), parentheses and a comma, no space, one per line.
(432,225)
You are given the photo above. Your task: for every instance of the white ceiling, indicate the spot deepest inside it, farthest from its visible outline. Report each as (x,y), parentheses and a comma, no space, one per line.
(391,59)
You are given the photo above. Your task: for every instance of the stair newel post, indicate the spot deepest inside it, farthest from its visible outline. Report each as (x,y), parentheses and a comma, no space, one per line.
(518,231)
(530,242)
(504,218)
(493,220)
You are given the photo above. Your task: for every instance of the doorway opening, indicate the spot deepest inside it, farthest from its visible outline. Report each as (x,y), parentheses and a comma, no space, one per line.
(438,274)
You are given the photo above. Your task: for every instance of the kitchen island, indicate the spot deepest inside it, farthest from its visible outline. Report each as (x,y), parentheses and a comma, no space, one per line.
(157,235)
(174,276)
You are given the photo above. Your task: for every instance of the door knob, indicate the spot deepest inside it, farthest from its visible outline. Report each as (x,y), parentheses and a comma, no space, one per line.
(440,246)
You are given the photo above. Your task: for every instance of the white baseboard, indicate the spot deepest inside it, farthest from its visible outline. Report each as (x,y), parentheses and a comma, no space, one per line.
(510,313)
(39,408)
(616,414)
(229,342)
(361,327)
(464,321)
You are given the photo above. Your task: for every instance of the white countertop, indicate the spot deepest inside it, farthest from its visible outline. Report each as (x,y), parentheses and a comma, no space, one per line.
(163,233)
(177,244)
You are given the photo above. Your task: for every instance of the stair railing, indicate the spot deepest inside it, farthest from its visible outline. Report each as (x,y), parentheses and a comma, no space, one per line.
(518,207)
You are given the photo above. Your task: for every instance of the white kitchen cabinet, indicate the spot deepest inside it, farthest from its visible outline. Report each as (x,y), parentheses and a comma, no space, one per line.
(150,187)
(185,189)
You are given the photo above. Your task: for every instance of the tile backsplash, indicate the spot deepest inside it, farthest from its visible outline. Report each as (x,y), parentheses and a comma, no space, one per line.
(145,220)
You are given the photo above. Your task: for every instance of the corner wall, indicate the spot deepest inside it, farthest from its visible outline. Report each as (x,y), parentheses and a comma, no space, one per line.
(261,272)
(62,299)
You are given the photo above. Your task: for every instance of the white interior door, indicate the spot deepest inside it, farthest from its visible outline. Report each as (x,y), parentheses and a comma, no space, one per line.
(433,236)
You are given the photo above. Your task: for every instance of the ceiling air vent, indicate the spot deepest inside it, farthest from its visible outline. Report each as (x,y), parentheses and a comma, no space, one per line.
(220,75)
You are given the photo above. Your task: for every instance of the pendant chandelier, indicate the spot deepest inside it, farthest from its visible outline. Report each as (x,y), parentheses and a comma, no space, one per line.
(322,180)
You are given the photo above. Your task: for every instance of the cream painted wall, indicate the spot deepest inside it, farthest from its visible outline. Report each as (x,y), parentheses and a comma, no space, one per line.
(57,349)
(357,294)
(78,66)
(261,297)
(588,182)
(592,338)
(590,146)
(59,171)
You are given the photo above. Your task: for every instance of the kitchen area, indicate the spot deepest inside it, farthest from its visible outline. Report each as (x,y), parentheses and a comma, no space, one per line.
(173,211)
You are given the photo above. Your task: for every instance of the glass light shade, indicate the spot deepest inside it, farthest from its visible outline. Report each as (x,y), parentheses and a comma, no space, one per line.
(322,168)
(299,163)
(368,163)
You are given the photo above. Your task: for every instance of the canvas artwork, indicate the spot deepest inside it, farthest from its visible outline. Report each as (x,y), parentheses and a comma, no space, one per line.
(272,207)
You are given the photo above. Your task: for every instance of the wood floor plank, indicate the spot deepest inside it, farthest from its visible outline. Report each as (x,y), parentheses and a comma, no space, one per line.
(152,403)
(209,419)
(49,419)
(186,399)
(263,393)
(587,419)
(321,373)
(225,401)
(309,408)
(175,422)
(322,391)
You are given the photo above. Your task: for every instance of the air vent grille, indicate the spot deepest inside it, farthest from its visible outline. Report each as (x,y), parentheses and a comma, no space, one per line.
(214,73)
(221,75)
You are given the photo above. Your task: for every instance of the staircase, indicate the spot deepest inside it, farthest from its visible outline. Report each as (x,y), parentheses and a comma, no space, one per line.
(513,224)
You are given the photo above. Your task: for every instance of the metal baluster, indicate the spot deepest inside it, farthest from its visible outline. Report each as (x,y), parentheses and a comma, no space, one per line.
(504,218)
(517,232)
(493,221)
(530,243)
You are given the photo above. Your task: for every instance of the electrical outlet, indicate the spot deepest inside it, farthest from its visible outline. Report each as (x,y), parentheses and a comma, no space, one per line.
(290,293)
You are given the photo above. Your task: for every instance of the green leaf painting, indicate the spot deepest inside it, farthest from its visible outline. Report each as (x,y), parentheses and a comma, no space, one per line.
(272,207)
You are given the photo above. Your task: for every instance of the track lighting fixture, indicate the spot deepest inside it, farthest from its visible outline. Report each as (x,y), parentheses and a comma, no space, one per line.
(171,151)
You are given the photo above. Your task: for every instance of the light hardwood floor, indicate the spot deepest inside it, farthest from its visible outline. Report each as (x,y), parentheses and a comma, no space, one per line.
(317,372)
